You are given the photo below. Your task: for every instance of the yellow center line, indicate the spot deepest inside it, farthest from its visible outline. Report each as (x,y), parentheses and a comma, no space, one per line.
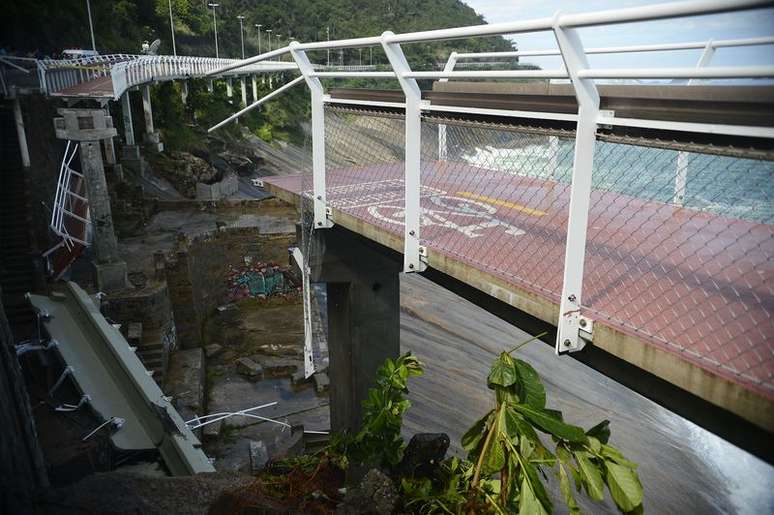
(504,203)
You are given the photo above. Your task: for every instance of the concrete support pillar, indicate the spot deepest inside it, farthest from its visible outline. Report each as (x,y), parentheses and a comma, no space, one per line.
(126,112)
(152,137)
(363,317)
(110,151)
(270,86)
(130,150)
(147,109)
(210,86)
(89,127)
(255,88)
(20,133)
(243,88)
(184,91)
(229,88)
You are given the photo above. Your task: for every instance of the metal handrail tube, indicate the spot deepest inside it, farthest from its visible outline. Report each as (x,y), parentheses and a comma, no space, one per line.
(693,45)
(490,74)
(718,72)
(258,102)
(342,75)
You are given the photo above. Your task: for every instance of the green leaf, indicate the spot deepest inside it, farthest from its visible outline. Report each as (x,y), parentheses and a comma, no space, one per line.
(566,489)
(537,486)
(624,486)
(494,459)
(472,438)
(549,424)
(592,479)
(610,452)
(528,503)
(601,431)
(524,428)
(525,447)
(594,444)
(532,390)
(503,373)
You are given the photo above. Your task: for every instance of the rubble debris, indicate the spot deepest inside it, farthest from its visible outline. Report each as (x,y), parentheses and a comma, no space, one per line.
(212,350)
(375,494)
(260,280)
(277,366)
(321,382)
(299,378)
(259,456)
(249,368)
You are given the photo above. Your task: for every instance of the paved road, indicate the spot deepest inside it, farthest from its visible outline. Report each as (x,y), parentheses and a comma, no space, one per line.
(684,468)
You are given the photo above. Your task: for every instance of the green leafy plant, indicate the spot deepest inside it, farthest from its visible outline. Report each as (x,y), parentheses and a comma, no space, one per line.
(379,442)
(508,458)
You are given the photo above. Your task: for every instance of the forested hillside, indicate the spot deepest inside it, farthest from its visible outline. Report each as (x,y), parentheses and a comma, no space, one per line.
(122,25)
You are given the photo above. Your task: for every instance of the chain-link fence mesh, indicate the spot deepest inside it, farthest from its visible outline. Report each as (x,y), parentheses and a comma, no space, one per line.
(680,247)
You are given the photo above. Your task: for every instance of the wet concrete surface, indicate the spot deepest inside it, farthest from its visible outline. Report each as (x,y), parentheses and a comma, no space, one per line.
(683,468)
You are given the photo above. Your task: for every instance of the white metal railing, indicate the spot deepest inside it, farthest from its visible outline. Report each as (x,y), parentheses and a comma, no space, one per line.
(588,118)
(68,201)
(153,68)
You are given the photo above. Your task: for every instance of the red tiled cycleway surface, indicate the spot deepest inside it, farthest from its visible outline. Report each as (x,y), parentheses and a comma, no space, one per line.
(696,284)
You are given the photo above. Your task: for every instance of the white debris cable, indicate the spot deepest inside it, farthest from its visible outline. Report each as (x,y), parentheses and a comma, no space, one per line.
(196,423)
(118,423)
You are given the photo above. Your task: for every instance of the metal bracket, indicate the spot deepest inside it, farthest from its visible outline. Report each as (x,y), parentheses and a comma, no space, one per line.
(412,261)
(321,220)
(568,334)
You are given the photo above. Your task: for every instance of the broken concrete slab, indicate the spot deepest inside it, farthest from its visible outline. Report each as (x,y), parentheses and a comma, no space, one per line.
(321,382)
(249,368)
(259,456)
(212,350)
(277,366)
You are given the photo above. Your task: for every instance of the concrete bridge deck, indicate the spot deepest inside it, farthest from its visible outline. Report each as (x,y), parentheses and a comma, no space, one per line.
(648,265)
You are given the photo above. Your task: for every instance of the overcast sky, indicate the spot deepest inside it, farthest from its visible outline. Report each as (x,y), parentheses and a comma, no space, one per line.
(722,26)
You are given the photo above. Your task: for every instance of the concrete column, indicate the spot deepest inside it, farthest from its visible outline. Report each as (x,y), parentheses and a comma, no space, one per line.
(229,88)
(88,127)
(126,112)
(184,91)
(255,88)
(243,88)
(21,134)
(270,86)
(110,151)
(151,137)
(147,110)
(363,317)
(210,86)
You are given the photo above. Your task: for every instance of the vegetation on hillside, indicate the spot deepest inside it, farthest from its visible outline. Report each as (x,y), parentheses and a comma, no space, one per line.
(122,25)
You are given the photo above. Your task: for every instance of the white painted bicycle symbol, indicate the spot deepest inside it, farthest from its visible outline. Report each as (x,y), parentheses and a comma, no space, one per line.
(470,217)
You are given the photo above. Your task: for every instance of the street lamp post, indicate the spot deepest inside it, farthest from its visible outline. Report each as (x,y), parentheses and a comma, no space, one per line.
(242,33)
(360,57)
(91,26)
(258,26)
(172,28)
(328,33)
(215,25)
(268,37)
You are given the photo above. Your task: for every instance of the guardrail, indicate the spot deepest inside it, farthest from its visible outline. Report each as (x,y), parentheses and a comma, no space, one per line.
(153,68)
(588,118)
